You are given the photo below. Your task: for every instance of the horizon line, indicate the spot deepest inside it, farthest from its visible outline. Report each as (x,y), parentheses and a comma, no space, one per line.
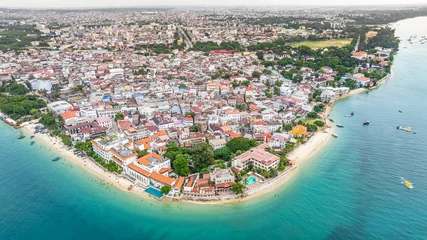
(165,6)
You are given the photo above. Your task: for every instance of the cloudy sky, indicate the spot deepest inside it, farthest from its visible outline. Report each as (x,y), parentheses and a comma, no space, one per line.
(142,3)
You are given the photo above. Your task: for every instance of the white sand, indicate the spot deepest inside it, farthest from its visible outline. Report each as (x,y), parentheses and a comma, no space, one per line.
(56,145)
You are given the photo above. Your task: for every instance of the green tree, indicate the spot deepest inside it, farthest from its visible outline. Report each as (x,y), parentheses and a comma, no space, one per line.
(242,144)
(319,123)
(180,164)
(223,153)
(195,128)
(119,116)
(66,140)
(165,190)
(312,115)
(142,153)
(256,74)
(238,188)
(287,127)
(172,151)
(319,108)
(312,128)
(203,156)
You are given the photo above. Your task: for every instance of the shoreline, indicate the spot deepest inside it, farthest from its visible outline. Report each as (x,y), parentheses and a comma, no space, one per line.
(301,154)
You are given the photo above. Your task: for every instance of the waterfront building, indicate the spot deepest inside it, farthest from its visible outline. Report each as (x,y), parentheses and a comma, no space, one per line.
(258,157)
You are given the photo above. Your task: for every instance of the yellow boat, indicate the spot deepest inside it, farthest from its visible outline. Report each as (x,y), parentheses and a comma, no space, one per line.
(407,184)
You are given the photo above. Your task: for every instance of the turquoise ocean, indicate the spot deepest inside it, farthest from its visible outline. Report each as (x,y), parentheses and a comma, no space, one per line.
(350,190)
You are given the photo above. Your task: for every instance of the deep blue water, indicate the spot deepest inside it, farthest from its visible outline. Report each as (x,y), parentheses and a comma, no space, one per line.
(350,190)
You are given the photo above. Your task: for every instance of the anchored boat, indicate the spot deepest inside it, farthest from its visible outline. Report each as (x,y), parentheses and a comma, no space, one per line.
(340,126)
(56,159)
(334,135)
(365,123)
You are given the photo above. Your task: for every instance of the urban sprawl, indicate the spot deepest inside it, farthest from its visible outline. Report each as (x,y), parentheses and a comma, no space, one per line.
(198,104)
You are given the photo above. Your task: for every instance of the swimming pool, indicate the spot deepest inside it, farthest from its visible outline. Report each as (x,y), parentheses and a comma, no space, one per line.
(154,192)
(250,180)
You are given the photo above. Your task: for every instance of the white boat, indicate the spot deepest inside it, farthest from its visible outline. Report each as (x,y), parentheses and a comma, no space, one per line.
(406,129)
(334,135)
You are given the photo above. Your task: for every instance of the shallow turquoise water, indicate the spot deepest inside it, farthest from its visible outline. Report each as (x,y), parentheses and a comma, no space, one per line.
(350,190)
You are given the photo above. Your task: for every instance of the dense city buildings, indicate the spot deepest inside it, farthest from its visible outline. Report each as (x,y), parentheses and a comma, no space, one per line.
(193,103)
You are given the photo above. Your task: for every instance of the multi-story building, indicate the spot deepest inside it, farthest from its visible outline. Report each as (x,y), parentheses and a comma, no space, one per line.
(258,157)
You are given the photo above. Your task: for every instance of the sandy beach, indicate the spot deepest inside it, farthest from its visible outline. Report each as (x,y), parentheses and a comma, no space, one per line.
(300,154)
(55,144)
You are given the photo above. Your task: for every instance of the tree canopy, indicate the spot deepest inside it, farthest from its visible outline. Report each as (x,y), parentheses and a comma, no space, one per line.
(180,165)
(203,156)
(238,188)
(242,144)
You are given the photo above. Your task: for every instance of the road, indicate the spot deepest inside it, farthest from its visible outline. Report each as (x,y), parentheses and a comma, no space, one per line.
(188,43)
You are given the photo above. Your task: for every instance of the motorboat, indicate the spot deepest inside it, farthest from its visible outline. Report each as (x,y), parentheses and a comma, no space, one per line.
(407,183)
(56,159)
(365,123)
(334,135)
(340,126)
(330,119)
(406,129)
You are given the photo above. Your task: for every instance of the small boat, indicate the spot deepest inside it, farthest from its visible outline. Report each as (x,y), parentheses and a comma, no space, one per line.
(32,143)
(334,135)
(21,136)
(400,111)
(352,113)
(340,126)
(32,136)
(406,129)
(56,159)
(414,133)
(365,123)
(330,119)
(407,183)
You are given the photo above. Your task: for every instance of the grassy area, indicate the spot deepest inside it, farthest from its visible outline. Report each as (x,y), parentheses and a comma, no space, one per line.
(323,44)
(371,34)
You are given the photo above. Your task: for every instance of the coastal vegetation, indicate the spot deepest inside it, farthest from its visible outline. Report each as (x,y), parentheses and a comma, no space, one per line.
(238,188)
(16,104)
(165,189)
(87,148)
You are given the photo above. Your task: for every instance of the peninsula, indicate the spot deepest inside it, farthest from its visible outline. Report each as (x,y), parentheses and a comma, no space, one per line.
(206,111)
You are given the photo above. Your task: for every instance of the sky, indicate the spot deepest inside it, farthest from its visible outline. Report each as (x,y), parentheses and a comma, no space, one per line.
(146,3)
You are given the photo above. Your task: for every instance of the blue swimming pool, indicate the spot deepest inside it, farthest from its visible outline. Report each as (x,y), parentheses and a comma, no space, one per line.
(154,192)
(250,180)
